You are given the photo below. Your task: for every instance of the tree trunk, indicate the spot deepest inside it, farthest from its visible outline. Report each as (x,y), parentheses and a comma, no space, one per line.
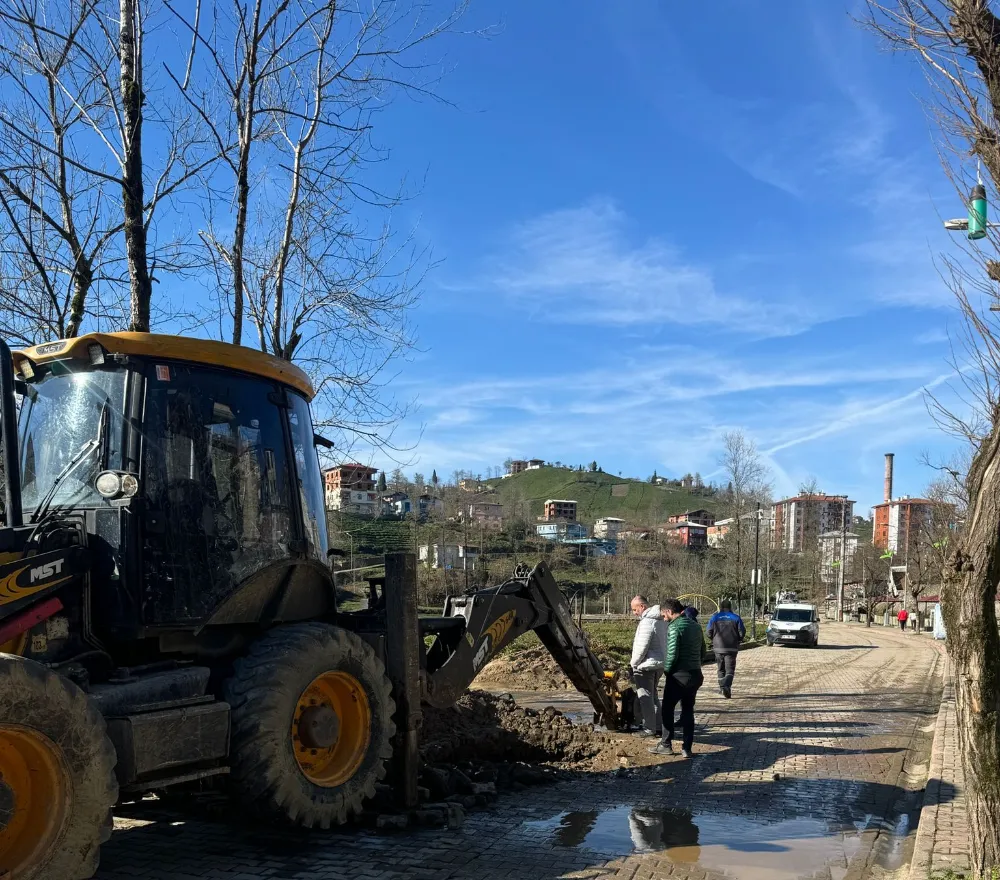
(130,58)
(968,604)
(83,278)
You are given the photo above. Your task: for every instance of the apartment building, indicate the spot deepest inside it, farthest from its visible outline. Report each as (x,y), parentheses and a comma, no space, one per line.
(487,514)
(835,547)
(556,509)
(699,517)
(351,488)
(897,524)
(560,531)
(798,522)
(608,527)
(693,536)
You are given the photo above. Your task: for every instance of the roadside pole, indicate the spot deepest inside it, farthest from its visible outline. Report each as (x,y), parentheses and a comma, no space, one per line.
(755,575)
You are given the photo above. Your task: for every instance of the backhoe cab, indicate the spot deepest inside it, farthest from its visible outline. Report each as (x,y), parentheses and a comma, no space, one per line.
(167,610)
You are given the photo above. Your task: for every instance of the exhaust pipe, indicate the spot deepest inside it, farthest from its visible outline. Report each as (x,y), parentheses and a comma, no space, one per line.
(8,438)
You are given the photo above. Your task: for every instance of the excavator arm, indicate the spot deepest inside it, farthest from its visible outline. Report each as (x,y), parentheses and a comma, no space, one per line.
(476,626)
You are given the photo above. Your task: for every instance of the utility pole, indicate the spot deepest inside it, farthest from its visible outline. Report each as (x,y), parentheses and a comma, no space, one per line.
(755,577)
(840,571)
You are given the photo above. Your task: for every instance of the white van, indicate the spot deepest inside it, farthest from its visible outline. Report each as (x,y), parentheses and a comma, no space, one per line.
(794,624)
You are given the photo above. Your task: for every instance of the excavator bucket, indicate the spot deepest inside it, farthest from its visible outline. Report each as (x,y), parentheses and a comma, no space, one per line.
(567,643)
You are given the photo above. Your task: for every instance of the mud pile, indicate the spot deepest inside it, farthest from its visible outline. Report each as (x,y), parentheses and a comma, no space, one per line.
(532,669)
(488,727)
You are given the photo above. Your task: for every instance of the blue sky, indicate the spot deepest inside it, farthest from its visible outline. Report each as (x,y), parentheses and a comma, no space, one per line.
(658,223)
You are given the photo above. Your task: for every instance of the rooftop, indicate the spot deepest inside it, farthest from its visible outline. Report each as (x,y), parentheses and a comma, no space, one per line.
(819,496)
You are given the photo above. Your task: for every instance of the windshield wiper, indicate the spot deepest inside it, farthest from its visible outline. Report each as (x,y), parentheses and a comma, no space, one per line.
(100,443)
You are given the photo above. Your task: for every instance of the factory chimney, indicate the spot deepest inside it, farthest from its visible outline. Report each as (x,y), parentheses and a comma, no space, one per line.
(888,477)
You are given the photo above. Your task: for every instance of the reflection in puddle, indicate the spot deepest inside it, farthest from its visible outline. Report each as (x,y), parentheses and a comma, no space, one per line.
(736,845)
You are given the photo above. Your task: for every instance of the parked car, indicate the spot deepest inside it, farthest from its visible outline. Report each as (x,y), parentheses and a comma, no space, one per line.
(794,624)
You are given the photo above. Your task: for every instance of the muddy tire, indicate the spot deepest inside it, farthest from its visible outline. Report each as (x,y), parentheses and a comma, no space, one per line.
(312,725)
(58,781)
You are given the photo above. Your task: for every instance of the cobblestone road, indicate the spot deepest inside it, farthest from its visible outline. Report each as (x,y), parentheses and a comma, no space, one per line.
(813,769)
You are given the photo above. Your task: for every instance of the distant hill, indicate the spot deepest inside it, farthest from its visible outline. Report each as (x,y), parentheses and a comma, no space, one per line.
(596,496)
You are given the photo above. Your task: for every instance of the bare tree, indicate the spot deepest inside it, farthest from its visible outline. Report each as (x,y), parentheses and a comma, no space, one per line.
(75,206)
(56,217)
(748,478)
(957,43)
(306,259)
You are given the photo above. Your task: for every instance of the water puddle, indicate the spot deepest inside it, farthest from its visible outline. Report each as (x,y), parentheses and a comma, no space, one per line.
(736,845)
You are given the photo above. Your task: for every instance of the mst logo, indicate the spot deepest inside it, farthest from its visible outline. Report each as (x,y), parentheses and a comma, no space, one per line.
(492,638)
(50,569)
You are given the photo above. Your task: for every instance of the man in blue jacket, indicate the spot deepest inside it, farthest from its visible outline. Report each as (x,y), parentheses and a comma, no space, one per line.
(726,630)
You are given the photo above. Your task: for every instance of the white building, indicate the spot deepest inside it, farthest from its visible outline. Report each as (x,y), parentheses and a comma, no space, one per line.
(833,547)
(354,501)
(448,556)
(798,522)
(608,527)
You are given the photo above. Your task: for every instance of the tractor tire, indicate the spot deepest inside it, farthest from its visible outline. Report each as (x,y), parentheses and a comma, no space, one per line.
(312,725)
(57,775)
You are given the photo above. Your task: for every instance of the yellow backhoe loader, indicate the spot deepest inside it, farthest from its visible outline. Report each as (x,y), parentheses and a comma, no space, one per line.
(167,608)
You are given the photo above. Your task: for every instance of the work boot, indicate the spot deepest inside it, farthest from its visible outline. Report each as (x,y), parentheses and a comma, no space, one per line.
(663,747)
(727,693)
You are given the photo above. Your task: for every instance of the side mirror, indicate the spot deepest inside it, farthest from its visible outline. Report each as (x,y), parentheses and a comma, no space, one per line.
(319,440)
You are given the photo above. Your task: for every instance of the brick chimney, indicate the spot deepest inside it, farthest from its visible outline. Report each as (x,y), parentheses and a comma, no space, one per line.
(888,477)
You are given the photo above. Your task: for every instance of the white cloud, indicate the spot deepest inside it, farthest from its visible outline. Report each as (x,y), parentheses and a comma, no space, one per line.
(669,407)
(577,266)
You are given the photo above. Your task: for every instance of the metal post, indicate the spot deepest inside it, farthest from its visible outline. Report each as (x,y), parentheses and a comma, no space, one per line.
(8,430)
(402,649)
(840,572)
(754,578)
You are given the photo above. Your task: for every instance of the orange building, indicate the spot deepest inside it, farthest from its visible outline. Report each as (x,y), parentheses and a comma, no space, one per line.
(555,510)
(898,523)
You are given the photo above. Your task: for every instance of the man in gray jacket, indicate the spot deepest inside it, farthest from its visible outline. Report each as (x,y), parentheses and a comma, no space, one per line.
(649,650)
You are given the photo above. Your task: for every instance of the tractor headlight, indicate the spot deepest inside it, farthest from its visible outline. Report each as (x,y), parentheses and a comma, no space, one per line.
(130,485)
(109,484)
(95,351)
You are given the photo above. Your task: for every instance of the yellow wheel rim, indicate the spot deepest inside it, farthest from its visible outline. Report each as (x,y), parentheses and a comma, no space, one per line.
(34,797)
(331,729)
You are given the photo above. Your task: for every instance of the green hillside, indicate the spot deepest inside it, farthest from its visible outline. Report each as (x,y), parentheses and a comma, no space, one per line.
(640,502)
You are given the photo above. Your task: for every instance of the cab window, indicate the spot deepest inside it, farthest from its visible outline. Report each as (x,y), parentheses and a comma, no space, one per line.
(216,478)
(310,480)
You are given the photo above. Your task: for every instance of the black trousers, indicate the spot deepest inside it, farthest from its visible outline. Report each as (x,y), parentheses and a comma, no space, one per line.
(681,687)
(726,666)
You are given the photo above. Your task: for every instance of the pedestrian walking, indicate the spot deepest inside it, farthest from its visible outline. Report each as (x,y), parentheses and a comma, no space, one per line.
(649,649)
(902,617)
(685,655)
(726,630)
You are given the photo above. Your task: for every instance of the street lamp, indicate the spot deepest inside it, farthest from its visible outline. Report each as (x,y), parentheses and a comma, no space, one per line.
(961,224)
(976,225)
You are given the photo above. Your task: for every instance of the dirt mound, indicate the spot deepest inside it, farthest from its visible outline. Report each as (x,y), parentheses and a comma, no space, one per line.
(533,669)
(485,727)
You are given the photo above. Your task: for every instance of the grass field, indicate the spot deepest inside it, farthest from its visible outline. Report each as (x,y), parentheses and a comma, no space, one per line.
(637,501)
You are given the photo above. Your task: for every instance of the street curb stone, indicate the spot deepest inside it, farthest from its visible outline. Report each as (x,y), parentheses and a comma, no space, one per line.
(942,840)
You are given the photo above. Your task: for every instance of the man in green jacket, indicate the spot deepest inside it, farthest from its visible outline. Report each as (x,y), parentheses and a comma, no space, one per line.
(685,655)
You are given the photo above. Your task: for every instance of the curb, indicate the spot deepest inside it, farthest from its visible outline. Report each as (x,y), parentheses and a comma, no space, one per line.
(922,861)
